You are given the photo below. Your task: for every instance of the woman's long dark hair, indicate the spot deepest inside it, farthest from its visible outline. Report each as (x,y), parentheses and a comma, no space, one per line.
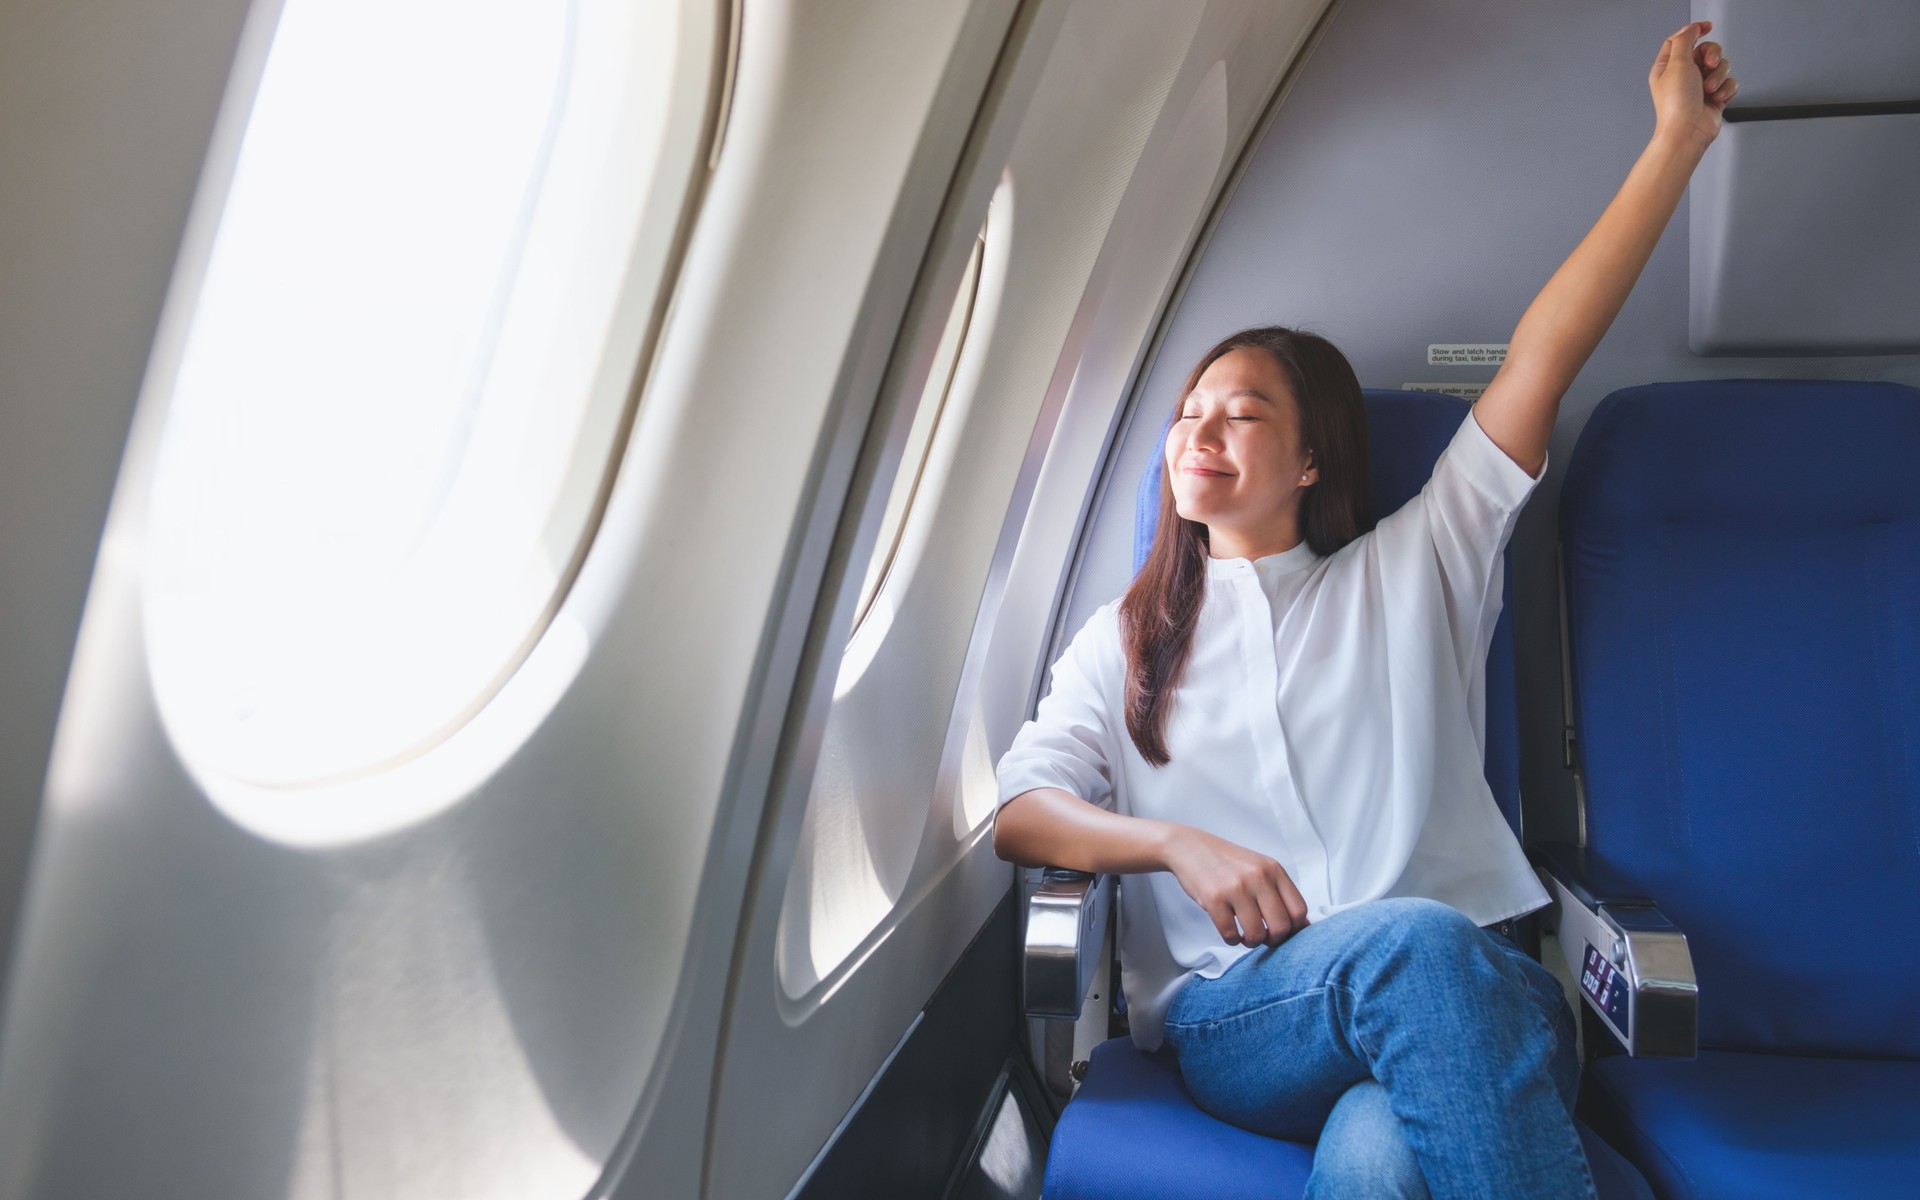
(1159,611)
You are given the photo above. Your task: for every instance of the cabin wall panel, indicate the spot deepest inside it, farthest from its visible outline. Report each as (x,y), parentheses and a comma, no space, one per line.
(106,110)
(519,996)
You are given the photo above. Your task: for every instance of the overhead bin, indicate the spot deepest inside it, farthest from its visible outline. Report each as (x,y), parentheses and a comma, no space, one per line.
(1804,225)
(1794,52)
(1806,238)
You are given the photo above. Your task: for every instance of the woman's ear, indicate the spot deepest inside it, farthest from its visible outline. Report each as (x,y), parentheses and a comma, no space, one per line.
(1309,474)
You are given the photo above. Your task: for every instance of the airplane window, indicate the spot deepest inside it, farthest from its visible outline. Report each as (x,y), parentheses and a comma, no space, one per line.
(926,415)
(407,369)
(858,839)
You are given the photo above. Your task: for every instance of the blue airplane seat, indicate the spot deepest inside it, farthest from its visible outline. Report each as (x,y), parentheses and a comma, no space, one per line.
(1131,1131)
(1743,588)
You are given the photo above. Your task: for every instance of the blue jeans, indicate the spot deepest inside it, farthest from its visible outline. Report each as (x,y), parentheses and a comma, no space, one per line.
(1424,1053)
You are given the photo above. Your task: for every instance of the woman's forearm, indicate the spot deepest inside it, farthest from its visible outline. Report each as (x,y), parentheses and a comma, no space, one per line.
(1047,827)
(1249,897)
(1571,314)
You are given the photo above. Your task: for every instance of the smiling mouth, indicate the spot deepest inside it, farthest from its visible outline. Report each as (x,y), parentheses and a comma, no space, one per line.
(1209,471)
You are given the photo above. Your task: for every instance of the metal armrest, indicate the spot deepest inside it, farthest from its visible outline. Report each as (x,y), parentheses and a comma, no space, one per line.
(1632,964)
(1066,929)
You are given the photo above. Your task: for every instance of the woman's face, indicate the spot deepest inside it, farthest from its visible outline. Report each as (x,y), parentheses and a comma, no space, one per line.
(1235,459)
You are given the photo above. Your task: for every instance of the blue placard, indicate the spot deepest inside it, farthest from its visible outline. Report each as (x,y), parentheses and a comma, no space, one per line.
(1605,986)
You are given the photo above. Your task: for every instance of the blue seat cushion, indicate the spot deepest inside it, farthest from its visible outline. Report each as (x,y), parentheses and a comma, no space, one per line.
(1133,1133)
(1760,1126)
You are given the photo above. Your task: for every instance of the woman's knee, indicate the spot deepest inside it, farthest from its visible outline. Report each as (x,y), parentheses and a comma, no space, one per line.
(1436,938)
(1455,969)
(1428,958)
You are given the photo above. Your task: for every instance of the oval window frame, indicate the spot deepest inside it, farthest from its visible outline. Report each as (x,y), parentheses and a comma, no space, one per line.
(532,669)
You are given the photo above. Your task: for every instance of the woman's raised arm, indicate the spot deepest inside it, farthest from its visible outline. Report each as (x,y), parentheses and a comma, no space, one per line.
(1691,85)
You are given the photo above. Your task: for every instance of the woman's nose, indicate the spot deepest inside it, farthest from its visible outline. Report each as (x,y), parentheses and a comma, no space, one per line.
(1206,433)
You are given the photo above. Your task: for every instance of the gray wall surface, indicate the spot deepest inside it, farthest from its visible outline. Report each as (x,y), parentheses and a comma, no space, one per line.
(1435,162)
(106,109)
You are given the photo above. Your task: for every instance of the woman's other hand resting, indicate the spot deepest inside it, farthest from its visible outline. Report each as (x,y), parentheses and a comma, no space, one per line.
(1249,897)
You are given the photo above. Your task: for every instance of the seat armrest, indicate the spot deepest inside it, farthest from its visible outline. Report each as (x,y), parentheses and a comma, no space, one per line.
(1632,964)
(1066,930)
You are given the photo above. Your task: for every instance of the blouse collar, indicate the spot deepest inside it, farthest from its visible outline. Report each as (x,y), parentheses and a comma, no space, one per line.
(1271,567)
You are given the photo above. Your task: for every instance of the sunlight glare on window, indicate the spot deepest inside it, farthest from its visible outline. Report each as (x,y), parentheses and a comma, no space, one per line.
(404,372)
(926,415)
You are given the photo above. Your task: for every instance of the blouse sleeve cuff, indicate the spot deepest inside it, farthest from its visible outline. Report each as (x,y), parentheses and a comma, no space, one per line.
(1019,779)
(1487,467)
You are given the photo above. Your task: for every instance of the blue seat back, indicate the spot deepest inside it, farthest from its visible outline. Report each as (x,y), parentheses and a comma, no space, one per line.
(1743,581)
(1406,433)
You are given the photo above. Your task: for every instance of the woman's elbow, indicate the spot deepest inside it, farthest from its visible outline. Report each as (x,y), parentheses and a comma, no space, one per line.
(1005,845)
(1012,839)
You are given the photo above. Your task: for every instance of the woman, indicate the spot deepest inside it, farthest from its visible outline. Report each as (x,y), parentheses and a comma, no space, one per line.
(1280,727)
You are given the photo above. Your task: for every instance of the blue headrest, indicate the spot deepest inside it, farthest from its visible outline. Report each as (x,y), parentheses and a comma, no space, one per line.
(1406,431)
(1743,587)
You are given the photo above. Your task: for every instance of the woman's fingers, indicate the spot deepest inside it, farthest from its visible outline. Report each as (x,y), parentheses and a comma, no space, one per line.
(1717,82)
(1681,48)
(1223,922)
(1283,911)
(1717,75)
(1691,82)
(1295,902)
(1683,38)
(1249,897)
(1252,912)
(1274,915)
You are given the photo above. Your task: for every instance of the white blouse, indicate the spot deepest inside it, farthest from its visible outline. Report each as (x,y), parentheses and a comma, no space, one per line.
(1332,717)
